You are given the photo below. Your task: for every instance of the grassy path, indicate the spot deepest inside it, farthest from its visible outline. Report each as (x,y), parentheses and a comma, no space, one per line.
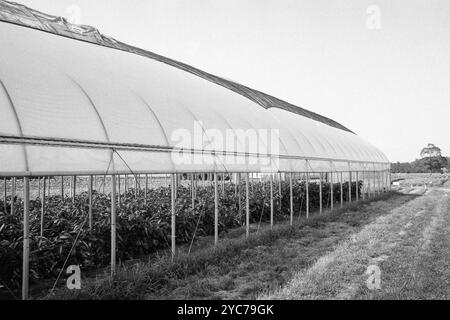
(410,246)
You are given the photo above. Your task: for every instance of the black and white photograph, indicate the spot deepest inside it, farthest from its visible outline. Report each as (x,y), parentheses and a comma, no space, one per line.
(215,158)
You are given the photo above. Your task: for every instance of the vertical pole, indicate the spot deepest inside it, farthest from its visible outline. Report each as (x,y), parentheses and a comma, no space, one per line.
(331,191)
(172,185)
(342,189)
(74,191)
(279,191)
(349,187)
(247,207)
(239,196)
(118,190)
(39,188)
(192,191)
(62,187)
(291,196)
(145,189)
(320,192)
(90,201)
(223,183)
(104,183)
(235,184)
(216,211)
(42,209)
(13,194)
(26,239)
(307,194)
(5,194)
(271,200)
(113,224)
(357,185)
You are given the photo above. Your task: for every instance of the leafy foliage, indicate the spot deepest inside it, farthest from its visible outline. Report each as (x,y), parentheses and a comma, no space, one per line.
(142,227)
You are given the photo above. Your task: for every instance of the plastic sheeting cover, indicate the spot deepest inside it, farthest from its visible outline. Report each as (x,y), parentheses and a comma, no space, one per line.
(59,89)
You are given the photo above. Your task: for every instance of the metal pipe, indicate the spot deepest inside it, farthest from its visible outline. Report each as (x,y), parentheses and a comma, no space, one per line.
(271,201)
(331,191)
(90,201)
(357,185)
(26,239)
(216,211)
(342,189)
(62,187)
(145,189)
(42,210)
(247,208)
(307,194)
(5,194)
(320,192)
(279,191)
(349,187)
(192,191)
(74,191)
(172,198)
(119,190)
(13,194)
(113,225)
(291,196)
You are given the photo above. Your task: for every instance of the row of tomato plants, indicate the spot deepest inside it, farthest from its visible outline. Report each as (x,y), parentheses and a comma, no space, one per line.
(142,227)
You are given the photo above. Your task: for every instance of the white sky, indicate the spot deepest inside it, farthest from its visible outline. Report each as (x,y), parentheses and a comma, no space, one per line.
(389,85)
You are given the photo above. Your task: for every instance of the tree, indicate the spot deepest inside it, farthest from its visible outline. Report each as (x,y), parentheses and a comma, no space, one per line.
(430,151)
(432,158)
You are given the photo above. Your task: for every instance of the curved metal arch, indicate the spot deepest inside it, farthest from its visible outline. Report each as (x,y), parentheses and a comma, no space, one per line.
(18,123)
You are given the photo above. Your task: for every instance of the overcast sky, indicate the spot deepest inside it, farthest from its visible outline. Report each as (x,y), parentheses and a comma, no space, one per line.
(381,68)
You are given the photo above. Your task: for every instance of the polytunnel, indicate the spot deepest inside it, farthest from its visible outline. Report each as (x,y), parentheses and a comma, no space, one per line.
(74,102)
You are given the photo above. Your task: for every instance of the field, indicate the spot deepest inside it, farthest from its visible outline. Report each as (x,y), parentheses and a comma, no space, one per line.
(403,232)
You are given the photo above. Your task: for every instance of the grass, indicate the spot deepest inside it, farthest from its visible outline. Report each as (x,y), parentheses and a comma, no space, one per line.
(410,246)
(238,268)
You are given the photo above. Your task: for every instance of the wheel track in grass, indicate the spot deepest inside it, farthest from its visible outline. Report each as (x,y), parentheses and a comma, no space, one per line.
(410,246)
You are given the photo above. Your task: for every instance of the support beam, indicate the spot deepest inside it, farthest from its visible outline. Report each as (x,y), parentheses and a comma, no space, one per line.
(192,191)
(331,191)
(247,207)
(74,189)
(342,189)
(118,190)
(113,225)
(320,193)
(223,183)
(13,194)
(172,198)
(90,201)
(307,194)
(291,197)
(26,239)
(271,201)
(349,187)
(239,197)
(42,210)
(5,194)
(357,185)
(62,188)
(216,211)
(145,189)
(279,192)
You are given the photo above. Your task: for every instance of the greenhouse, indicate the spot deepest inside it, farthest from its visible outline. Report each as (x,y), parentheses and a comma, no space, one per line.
(84,116)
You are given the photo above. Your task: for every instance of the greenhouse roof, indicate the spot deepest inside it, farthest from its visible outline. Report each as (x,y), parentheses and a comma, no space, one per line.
(100,106)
